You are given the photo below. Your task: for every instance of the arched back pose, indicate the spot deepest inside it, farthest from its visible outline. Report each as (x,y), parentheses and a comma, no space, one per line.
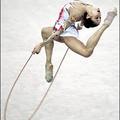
(66,31)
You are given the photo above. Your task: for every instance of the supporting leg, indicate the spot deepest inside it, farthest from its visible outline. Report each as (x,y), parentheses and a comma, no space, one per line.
(49,44)
(46,32)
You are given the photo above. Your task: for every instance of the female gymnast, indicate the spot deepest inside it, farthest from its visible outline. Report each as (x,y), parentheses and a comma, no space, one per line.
(66,31)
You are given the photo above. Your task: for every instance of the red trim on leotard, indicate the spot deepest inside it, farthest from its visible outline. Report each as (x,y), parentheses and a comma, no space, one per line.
(60,14)
(61,28)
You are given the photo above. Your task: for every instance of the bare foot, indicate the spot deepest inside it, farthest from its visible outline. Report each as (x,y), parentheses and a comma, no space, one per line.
(110,16)
(49,72)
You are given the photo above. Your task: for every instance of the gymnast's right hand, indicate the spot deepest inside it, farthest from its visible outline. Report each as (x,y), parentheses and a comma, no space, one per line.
(37,49)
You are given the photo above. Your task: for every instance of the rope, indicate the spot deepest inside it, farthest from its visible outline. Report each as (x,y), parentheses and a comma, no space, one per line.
(42,100)
(38,107)
(9,95)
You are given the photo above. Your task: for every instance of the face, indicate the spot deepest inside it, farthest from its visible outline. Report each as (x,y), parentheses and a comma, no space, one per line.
(95,15)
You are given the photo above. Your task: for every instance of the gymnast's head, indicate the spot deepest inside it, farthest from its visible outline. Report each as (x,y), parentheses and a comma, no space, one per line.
(92,16)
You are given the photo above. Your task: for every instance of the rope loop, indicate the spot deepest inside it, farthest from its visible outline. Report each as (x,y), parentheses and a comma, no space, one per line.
(45,95)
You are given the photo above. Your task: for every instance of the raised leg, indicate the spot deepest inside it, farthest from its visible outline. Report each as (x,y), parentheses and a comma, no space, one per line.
(86,50)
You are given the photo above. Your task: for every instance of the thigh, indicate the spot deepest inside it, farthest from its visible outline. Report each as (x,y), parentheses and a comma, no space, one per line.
(75,45)
(46,32)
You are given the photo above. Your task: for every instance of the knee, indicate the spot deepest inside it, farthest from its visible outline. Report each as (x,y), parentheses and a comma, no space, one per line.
(87,53)
(45,32)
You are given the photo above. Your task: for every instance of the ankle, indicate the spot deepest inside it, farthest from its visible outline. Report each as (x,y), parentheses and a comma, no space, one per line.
(104,25)
(48,64)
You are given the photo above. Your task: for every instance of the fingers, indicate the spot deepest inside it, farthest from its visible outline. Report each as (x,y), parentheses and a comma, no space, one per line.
(36,50)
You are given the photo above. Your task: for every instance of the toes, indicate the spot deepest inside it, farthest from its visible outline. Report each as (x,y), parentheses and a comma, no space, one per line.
(49,78)
(110,16)
(114,10)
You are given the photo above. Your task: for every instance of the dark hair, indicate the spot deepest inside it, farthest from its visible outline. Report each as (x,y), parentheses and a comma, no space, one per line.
(88,22)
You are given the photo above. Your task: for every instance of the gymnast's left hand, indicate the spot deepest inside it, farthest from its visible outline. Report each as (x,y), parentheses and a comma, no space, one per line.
(37,49)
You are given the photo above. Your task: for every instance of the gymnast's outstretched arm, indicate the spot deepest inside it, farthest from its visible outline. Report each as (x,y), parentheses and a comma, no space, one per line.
(67,23)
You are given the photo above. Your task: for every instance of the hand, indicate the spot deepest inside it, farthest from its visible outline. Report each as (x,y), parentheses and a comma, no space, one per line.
(37,49)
